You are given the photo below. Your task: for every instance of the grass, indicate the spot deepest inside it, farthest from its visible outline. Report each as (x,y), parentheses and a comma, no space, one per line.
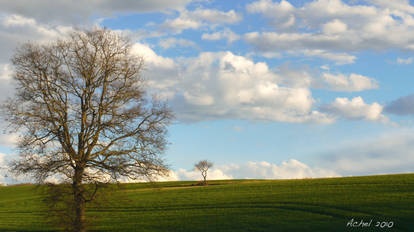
(232,205)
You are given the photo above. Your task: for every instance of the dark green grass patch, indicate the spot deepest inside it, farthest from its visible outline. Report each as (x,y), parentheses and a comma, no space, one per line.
(232,205)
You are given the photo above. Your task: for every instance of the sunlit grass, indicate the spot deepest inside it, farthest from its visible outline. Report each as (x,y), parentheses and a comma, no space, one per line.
(232,205)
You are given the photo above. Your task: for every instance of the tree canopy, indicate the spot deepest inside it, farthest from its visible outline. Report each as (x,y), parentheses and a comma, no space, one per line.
(83,114)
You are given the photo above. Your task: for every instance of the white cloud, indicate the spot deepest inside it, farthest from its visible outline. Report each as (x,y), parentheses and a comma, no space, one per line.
(182,23)
(334,26)
(200,17)
(307,77)
(161,73)
(17,20)
(281,13)
(227,34)
(222,85)
(270,55)
(213,174)
(291,169)
(295,76)
(173,42)
(297,44)
(356,109)
(271,9)
(325,67)
(8,140)
(227,86)
(150,57)
(405,61)
(350,83)
(400,5)
(216,16)
(17,29)
(338,58)
(140,34)
(64,12)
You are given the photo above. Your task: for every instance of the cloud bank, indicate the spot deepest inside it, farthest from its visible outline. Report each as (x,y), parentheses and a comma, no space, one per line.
(64,12)
(222,85)
(333,26)
(291,169)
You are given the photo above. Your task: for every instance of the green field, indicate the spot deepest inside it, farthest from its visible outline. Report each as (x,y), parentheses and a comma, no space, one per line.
(232,205)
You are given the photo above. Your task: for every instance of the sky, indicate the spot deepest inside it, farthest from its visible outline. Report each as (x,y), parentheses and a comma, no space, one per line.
(262,88)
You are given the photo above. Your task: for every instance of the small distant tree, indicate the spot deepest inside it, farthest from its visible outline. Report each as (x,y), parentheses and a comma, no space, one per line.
(203,167)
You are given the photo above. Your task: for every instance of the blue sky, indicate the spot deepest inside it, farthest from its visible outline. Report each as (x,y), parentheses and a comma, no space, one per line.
(263,88)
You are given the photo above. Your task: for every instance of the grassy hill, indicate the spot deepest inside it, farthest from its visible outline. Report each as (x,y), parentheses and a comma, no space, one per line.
(233,205)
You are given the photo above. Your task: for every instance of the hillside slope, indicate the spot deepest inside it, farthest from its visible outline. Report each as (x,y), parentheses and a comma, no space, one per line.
(233,205)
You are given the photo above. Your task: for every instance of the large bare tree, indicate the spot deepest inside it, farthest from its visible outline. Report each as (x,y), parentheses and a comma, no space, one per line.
(84,115)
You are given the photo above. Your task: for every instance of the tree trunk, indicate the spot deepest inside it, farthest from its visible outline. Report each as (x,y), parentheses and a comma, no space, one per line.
(205,178)
(79,203)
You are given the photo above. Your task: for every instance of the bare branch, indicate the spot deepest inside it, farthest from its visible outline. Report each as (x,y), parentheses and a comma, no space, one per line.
(81,108)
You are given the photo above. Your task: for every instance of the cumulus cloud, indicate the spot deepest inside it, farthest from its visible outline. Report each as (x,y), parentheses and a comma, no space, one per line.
(299,44)
(161,72)
(291,169)
(179,24)
(216,16)
(334,26)
(150,57)
(400,5)
(173,42)
(64,12)
(200,17)
(338,58)
(356,109)
(213,174)
(389,153)
(340,82)
(401,106)
(227,34)
(348,83)
(230,86)
(281,13)
(17,29)
(221,85)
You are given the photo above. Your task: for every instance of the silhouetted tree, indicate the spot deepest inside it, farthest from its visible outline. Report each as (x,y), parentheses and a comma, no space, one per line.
(203,167)
(83,114)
